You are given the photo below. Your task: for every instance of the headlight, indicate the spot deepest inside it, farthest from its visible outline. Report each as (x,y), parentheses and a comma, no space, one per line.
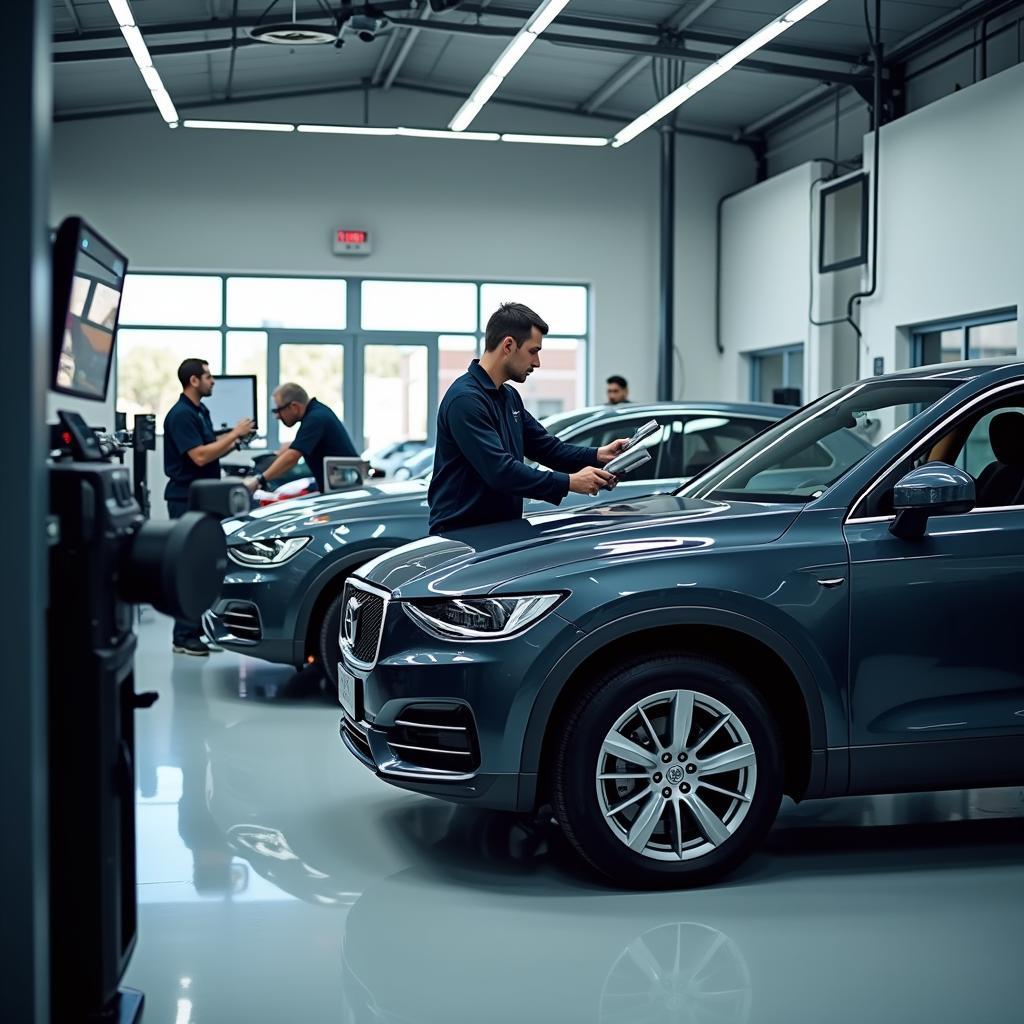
(481,618)
(272,551)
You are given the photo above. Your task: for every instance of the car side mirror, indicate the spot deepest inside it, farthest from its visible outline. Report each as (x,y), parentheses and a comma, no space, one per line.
(934,489)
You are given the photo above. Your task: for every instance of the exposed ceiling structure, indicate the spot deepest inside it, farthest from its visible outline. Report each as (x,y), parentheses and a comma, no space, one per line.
(603,59)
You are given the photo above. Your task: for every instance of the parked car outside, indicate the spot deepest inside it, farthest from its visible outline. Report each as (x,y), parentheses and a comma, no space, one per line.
(281,599)
(387,459)
(661,670)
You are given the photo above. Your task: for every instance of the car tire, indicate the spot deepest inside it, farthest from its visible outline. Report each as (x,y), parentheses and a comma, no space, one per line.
(613,781)
(328,649)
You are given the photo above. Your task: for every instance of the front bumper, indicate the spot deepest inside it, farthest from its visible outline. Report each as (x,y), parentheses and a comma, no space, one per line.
(492,685)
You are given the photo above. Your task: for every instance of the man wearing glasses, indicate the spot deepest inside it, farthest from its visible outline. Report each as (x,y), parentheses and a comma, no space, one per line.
(321,434)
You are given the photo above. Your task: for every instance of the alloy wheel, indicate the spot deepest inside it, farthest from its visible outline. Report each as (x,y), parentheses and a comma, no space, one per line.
(675,775)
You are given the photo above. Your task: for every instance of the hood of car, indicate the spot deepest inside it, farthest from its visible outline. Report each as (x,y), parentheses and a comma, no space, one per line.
(481,559)
(385,501)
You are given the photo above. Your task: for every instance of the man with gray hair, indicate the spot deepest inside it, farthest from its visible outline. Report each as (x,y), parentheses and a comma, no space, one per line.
(320,435)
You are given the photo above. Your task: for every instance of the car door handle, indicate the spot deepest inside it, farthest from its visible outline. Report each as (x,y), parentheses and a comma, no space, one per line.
(837,582)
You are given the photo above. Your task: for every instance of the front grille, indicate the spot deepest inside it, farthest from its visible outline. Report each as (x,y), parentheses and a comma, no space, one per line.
(356,733)
(362,619)
(439,737)
(242,620)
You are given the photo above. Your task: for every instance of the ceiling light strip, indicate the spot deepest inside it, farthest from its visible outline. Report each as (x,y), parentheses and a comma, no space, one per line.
(140,52)
(242,126)
(507,60)
(412,133)
(715,70)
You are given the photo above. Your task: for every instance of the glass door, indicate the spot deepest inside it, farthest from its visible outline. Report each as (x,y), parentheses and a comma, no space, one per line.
(398,384)
(319,361)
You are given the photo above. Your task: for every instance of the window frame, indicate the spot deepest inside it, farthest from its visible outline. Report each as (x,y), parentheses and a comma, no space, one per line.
(787,352)
(961,324)
(354,332)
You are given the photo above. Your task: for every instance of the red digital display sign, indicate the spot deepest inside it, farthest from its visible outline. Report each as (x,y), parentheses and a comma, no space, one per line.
(351,237)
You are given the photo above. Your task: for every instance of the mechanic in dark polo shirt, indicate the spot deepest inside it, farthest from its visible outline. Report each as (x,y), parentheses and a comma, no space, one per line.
(320,435)
(484,432)
(192,451)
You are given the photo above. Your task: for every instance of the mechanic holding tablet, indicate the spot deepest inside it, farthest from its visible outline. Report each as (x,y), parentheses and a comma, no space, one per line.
(484,433)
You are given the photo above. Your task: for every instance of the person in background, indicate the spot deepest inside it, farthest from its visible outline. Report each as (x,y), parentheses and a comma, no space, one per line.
(617,390)
(320,435)
(484,432)
(192,451)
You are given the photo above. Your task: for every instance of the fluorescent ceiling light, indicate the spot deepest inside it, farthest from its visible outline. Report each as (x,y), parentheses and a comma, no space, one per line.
(122,12)
(556,140)
(507,60)
(430,133)
(241,126)
(165,106)
(715,70)
(133,37)
(340,129)
(152,78)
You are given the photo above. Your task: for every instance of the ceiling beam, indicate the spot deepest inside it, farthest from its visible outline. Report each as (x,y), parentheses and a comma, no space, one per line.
(680,20)
(73,15)
(407,45)
(407,84)
(316,16)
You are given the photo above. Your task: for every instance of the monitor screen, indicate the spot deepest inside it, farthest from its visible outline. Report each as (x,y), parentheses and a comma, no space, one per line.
(233,399)
(88,277)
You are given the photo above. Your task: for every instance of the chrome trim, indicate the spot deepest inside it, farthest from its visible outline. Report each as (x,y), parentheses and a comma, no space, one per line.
(430,750)
(936,429)
(428,725)
(346,651)
(838,581)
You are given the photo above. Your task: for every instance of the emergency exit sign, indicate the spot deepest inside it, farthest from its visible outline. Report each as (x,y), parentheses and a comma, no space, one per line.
(352,242)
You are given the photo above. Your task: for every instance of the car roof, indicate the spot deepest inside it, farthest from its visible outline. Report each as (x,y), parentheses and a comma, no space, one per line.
(965,370)
(653,409)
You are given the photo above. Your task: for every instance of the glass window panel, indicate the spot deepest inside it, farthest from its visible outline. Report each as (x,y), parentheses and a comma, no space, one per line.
(769,375)
(562,307)
(394,394)
(320,369)
(989,341)
(246,352)
(795,370)
(176,300)
(941,346)
(558,386)
(304,302)
(418,306)
(978,452)
(147,367)
(600,434)
(454,354)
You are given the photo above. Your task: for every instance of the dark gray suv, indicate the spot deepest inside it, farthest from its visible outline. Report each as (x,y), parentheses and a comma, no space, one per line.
(661,670)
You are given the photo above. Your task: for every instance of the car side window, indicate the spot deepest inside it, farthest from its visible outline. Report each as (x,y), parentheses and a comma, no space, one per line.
(699,441)
(993,456)
(603,433)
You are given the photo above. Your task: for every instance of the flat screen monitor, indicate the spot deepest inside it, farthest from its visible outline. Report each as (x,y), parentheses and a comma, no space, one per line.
(233,398)
(88,278)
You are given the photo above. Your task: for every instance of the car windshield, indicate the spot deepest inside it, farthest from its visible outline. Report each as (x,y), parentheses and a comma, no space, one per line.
(800,457)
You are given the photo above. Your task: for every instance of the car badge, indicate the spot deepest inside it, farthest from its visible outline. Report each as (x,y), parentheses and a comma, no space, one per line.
(351,620)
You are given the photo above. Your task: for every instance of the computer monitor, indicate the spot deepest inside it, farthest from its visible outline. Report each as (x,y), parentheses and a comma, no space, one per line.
(88,279)
(233,399)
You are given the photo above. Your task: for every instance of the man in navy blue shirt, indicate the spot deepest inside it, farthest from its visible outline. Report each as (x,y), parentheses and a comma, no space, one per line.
(320,435)
(192,452)
(484,432)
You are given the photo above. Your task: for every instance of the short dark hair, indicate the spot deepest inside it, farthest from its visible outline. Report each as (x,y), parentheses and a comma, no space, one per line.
(512,320)
(191,368)
(619,381)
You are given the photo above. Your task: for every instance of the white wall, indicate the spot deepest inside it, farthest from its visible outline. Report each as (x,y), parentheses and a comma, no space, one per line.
(205,200)
(950,240)
(764,273)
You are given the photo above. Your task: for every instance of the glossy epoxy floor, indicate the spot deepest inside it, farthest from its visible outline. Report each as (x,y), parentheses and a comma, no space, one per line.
(279,881)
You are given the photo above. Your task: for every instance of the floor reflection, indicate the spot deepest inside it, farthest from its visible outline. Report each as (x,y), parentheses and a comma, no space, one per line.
(280,879)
